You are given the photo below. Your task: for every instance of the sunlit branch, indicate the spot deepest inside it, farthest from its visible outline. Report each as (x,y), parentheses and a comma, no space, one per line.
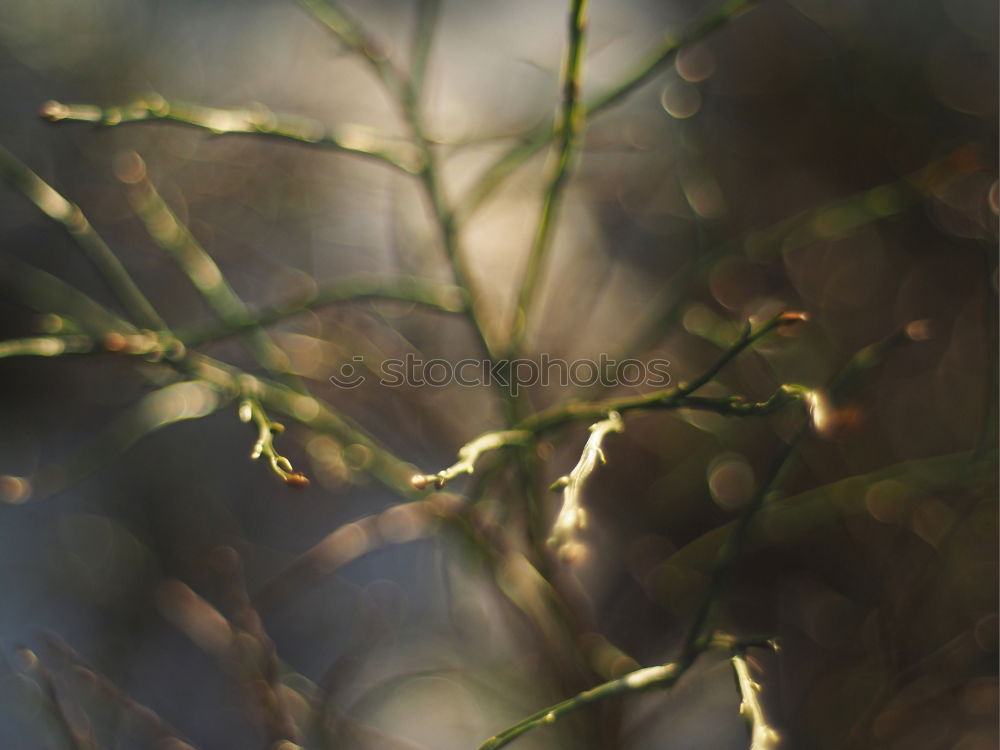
(661,676)
(70,218)
(534,142)
(732,548)
(423,35)
(357,39)
(679,396)
(196,263)
(354,37)
(762,735)
(46,346)
(468,455)
(256,121)
(41,291)
(572,517)
(438,297)
(566,132)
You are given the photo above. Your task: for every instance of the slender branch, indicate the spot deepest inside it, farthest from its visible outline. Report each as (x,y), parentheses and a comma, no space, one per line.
(468,454)
(45,293)
(661,676)
(572,517)
(46,346)
(680,396)
(762,735)
(732,548)
(534,142)
(176,239)
(255,121)
(438,297)
(423,35)
(353,36)
(69,216)
(566,132)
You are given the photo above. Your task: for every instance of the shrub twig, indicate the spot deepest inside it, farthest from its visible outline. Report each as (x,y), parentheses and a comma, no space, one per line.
(572,517)
(256,121)
(762,735)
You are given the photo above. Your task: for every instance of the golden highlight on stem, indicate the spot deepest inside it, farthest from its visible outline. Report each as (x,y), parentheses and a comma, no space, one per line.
(468,455)
(762,736)
(572,517)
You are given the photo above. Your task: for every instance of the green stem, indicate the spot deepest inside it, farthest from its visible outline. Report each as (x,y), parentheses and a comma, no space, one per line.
(69,216)
(567,132)
(661,676)
(534,142)
(256,121)
(438,297)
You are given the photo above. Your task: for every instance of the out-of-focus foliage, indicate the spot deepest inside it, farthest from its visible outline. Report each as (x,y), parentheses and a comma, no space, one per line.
(833,156)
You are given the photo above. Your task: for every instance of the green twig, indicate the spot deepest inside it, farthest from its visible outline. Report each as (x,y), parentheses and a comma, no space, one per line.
(566,132)
(70,217)
(762,735)
(572,517)
(437,297)
(423,35)
(468,455)
(661,676)
(534,142)
(176,239)
(257,121)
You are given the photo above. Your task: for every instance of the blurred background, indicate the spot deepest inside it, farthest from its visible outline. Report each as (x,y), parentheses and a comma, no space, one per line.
(833,156)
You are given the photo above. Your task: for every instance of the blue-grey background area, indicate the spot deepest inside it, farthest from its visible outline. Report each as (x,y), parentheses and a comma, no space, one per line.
(889,629)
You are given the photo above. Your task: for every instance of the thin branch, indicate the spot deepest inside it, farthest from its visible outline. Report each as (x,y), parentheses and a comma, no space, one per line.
(433,296)
(762,735)
(534,142)
(69,216)
(661,676)
(680,396)
(732,548)
(354,37)
(255,121)
(46,346)
(572,517)
(176,239)
(566,132)
(48,294)
(468,454)
(423,35)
